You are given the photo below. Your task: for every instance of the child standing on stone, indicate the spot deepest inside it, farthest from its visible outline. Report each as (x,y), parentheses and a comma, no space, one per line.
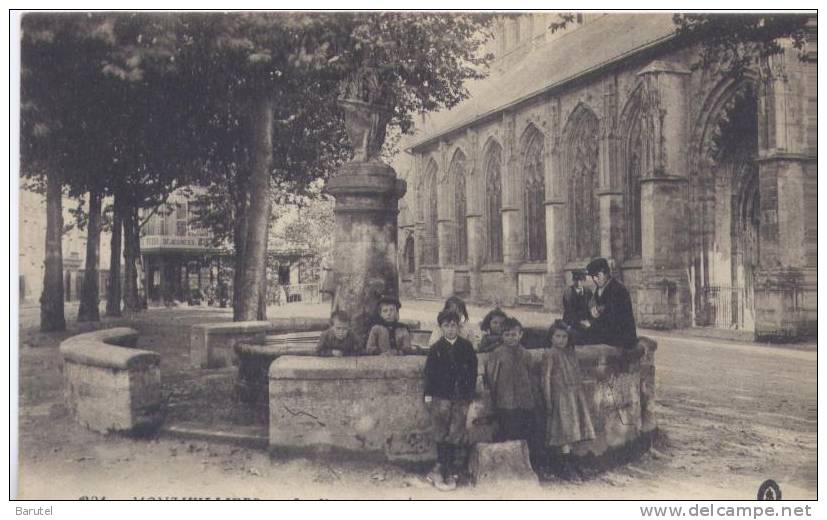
(492,330)
(338,340)
(450,384)
(389,337)
(508,377)
(567,416)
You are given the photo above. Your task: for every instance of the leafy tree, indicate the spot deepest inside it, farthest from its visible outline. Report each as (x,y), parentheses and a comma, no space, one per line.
(57,55)
(100,110)
(738,39)
(278,77)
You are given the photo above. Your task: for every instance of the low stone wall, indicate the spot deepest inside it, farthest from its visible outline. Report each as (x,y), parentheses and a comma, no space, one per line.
(211,345)
(111,386)
(372,406)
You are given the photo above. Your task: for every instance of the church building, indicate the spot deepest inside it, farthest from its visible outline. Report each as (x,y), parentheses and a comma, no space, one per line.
(608,139)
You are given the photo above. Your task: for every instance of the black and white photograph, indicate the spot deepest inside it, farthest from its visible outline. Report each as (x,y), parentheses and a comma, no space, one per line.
(428,255)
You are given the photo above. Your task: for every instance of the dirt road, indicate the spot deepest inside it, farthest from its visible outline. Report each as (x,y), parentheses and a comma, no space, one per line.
(732,415)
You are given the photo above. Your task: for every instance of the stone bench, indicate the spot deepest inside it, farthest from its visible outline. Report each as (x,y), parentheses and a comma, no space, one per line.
(212,344)
(373,405)
(109,385)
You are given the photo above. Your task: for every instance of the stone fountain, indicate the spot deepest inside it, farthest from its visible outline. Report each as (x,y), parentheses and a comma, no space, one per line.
(372,406)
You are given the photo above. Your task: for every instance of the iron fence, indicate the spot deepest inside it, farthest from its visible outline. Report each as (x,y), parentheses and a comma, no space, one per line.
(726,307)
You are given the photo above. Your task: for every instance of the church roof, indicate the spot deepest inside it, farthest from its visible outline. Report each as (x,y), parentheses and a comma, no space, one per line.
(586,49)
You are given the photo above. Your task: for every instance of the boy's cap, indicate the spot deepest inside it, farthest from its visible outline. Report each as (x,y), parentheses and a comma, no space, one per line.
(393,300)
(578,274)
(446,316)
(598,265)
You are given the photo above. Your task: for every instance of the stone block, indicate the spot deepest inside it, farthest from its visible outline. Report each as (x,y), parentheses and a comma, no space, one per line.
(109,387)
(502,464)
(367,406)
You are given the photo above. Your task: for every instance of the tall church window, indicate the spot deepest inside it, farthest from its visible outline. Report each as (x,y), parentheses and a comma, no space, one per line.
(410,262)
(581,162)
(493,203)
(431,242)
(634,150)
(460,206)
(534,189)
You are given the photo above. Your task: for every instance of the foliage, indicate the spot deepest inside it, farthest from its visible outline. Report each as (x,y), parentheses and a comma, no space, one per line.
(421,60)
(97,104)
(306,225)
(303,59)
(738,39)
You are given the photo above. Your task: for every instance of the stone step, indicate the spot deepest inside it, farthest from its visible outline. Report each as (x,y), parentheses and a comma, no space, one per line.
(247,436)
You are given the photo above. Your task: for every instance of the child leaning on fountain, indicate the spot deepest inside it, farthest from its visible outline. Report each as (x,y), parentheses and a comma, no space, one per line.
(389,337)
(338,340)
(567,416)
(508,377)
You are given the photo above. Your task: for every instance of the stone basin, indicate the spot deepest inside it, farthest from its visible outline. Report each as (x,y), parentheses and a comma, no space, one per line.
(371,406)
(254,357)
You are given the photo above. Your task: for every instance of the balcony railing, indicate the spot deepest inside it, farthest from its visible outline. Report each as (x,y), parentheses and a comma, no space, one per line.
(295,293)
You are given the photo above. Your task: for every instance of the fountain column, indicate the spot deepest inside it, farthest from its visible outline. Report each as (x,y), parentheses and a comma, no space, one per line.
(367,194)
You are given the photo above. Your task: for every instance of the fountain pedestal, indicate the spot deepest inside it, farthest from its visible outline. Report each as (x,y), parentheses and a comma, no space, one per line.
(367,194)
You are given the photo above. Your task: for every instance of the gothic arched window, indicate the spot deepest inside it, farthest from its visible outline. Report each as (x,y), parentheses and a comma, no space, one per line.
(493,203)
(431,242)
(410,261)
(460,205)
(581,163)
(634,151)
(534,189)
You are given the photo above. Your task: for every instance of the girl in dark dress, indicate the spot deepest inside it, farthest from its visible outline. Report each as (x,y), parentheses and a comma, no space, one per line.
(567,416)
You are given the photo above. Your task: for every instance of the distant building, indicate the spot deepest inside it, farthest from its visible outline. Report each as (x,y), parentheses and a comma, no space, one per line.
(32,248)
(604,140)
(178,257)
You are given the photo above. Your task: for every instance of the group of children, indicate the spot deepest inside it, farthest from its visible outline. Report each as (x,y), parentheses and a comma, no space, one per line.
(538,399)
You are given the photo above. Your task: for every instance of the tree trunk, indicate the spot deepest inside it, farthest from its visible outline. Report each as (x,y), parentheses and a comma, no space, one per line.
(90,297)
(239,239)
(51,300)
(255,243)
(113,295)
(131,250)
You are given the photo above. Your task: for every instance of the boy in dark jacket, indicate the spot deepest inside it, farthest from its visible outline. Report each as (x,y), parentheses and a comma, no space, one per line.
(613,321)
(450,385)
(576,300)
